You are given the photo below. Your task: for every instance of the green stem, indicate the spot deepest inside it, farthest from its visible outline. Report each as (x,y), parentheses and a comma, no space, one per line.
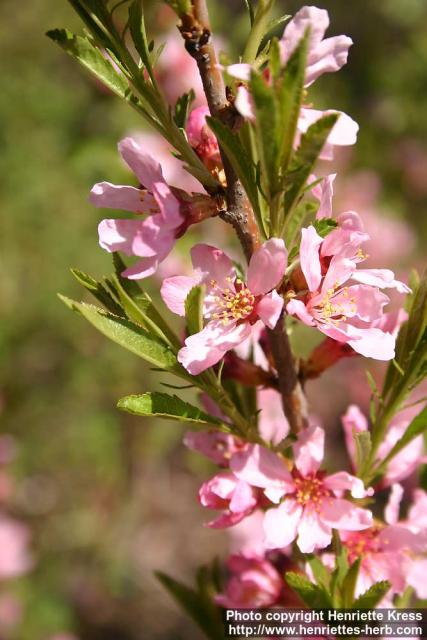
(258,30)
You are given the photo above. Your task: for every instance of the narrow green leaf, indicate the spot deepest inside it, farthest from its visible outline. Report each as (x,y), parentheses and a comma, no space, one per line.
(373,596)
(128,335)
(417,427)
(302,163)
(313,595)
(139,36)
(92,59)
(290,94)
(238,158)
(139,306)
(203,613)
(363,446)
(182,108)
(324,226)
(321,574)
(194,310)
(250,10)
(163,405)
(99,291)
(295,221)
(266,130)
(349,583)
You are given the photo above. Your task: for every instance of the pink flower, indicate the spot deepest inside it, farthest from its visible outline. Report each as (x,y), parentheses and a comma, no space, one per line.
(310,503)
(231,306)
(235,498)
(348,313)
(177,72)
(388,552)
(406,461)
(169,212)
(215,445)
(254,582)
(14,555)
(325,55)
(201,137)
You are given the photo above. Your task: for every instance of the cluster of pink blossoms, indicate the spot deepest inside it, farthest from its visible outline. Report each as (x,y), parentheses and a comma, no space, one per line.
(291,499)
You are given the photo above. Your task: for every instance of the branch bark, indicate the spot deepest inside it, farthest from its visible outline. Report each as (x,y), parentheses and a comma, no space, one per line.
(196,32)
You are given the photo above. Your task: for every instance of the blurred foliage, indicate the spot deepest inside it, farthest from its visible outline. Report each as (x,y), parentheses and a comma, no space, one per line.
(92,480)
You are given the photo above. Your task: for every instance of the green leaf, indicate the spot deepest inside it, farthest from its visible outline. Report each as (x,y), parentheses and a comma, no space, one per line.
(302,163)
(313,595)
(92,59)
(197,604)
(129,335)
(139,36)
(250,10)
(349,583)
(321,574)
(238,158)
(290,95)
(139,307)
(182,108)
(295,221)
(194,310)
(373,596)
(324,226)
(267,131)
(99,291)
(163,405)
(417,427)
(363,446)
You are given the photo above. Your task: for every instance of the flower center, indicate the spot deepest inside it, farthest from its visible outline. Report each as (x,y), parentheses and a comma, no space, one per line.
(333,312)
(310,491)
(233,304)
(361,543)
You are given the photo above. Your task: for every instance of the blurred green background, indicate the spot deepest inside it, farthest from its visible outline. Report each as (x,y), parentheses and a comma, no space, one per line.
(109,497)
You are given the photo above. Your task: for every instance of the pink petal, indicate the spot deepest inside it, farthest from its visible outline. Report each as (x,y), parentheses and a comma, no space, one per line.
(240,71)
(204,349)
(260,467)
(330,55)
(324,193)
(267,266)
(307,17)
(312,532)
(112,196)
(169,206)
(309,449)
(298,308)
(382,278)
(343,481)
(144,268)
(125,236)
(391,511)
(213,263)
(245,104)
(175,290)
(309,256)
(242,498)
(146,169)
(341,514)
(372,343)
(196,124)
(368,302)
(272,423)
(226,520)
(269,309)
(280,524)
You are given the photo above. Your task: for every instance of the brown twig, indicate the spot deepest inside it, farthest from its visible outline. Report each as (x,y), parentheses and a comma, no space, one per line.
(195,29)
(196,32)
